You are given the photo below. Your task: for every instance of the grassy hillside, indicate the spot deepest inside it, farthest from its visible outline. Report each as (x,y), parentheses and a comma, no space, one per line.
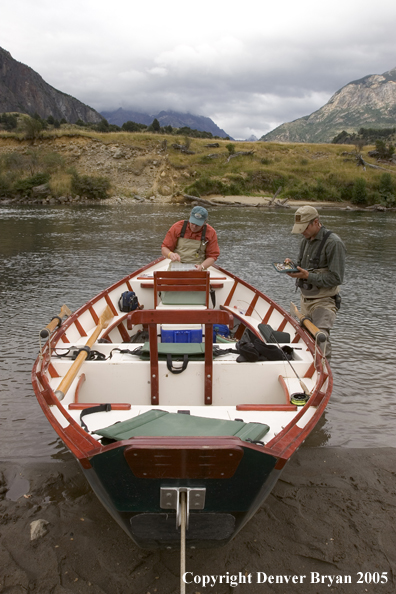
(82,162)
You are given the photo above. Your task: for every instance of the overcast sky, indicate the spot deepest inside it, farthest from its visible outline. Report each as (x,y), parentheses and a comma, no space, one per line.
(249,65)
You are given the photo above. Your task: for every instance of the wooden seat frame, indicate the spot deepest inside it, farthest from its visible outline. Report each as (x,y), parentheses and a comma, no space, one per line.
(153,317)
(176,280)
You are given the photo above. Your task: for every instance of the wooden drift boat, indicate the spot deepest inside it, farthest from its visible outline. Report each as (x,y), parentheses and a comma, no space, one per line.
(177,423)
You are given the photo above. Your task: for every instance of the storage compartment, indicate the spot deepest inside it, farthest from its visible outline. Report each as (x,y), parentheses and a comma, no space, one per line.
(174,333)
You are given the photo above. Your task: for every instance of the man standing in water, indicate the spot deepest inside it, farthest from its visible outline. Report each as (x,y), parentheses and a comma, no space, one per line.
(192,241)
(321,265)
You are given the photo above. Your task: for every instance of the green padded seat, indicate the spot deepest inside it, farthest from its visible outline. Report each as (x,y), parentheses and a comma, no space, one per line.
(192,349)
(159,423)
(183,297)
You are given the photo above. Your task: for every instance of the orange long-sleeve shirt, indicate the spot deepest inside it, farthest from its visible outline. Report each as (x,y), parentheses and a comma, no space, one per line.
(212,247)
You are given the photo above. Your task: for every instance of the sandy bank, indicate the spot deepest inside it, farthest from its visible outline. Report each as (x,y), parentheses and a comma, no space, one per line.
(333,512)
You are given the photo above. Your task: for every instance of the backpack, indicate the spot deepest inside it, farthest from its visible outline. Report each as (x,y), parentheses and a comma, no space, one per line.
(128,301)
(251,348)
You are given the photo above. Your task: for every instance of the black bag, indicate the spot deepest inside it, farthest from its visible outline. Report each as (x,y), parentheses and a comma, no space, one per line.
(128,301)
(251,348)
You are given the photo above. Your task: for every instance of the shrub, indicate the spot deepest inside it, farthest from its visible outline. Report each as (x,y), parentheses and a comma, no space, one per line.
(384,151)
(155,125)
(230,148)
(32,127)
(359,192)
(387,189)
(25,185)
(9,121)
(103,126)
(130,126)
(90,186)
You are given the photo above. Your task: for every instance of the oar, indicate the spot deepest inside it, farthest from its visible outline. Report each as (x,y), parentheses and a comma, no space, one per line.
(65,384)
(316,333)
(57,320)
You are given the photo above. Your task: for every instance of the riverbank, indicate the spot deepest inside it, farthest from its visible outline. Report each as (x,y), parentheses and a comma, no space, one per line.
(141,167)
(331,514)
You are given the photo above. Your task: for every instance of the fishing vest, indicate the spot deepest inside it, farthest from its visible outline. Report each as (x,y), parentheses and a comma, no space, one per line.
(191,251)
(307,289)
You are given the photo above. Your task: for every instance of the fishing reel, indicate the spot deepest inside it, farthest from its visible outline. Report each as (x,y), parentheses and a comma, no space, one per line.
(299,399)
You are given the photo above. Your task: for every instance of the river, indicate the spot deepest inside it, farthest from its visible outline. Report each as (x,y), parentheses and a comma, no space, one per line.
(67,254)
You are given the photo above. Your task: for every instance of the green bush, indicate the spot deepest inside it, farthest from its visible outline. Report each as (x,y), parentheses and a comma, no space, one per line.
(33,128)
(25,185)
(387,189)
(385,151)
(130,126)
(9,121)
(359,192)
(95,188)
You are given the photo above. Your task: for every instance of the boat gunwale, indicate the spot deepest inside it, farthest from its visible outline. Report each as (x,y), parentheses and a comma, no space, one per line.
(279,447)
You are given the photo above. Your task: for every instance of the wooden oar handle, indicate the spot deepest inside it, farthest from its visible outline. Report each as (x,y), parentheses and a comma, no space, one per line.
(67,381)
(310,326)
(56,321)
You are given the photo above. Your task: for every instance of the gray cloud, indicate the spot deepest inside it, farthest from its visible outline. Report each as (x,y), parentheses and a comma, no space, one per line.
(249,70)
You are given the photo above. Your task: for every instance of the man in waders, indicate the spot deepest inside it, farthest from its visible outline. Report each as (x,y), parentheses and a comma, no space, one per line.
(321,265)
(192,241)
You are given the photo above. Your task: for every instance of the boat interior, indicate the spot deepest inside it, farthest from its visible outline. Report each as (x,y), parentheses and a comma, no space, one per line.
(174,370)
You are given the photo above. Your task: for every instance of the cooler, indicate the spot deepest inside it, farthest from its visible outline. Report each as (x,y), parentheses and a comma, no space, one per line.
(176,333)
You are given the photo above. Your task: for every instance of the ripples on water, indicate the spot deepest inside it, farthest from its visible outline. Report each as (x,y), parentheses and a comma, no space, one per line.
(56,255)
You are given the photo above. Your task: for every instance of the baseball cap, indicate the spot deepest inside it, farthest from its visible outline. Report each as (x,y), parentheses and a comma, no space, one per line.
(198,215)
(302,217)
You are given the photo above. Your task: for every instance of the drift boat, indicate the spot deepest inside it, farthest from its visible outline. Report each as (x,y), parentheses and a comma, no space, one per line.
(177,433)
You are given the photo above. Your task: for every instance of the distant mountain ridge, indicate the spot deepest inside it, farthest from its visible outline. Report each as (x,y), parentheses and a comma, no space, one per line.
(23,90)
(369,102)
(165,118)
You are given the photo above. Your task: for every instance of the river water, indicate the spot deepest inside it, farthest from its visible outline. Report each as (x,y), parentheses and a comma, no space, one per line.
(67,254)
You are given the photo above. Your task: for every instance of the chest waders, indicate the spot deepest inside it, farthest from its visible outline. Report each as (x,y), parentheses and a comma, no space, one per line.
(191,251)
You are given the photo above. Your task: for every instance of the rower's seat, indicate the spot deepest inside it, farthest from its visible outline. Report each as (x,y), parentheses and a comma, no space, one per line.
(160,423)
(181,288)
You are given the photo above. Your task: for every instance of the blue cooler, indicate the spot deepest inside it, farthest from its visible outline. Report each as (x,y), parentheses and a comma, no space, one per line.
(174,333)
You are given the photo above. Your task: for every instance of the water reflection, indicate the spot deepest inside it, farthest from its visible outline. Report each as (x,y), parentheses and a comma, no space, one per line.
(64,254)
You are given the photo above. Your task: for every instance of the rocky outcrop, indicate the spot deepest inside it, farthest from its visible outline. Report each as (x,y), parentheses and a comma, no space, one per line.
(369,103)
(23,90)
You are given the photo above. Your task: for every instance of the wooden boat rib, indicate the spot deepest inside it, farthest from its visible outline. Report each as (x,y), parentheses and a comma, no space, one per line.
(195,440)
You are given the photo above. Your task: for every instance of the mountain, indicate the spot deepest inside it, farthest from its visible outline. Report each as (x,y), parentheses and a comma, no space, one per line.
(369,102)
(120,116)
(23,90)
(165,118)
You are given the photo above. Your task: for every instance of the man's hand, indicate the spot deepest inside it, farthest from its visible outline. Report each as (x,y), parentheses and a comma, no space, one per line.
(302,274)
(174,257)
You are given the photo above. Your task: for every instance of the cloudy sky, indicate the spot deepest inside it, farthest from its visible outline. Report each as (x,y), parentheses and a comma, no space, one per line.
(248,65)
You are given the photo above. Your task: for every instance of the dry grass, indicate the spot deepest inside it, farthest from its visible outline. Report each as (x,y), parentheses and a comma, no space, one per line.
(304,171)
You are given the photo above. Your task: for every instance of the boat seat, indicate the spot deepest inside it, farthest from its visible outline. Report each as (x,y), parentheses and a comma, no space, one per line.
(177,287)
(160,423)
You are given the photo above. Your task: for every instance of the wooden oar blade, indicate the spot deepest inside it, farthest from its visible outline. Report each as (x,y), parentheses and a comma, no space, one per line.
(106,316)
(65,311)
